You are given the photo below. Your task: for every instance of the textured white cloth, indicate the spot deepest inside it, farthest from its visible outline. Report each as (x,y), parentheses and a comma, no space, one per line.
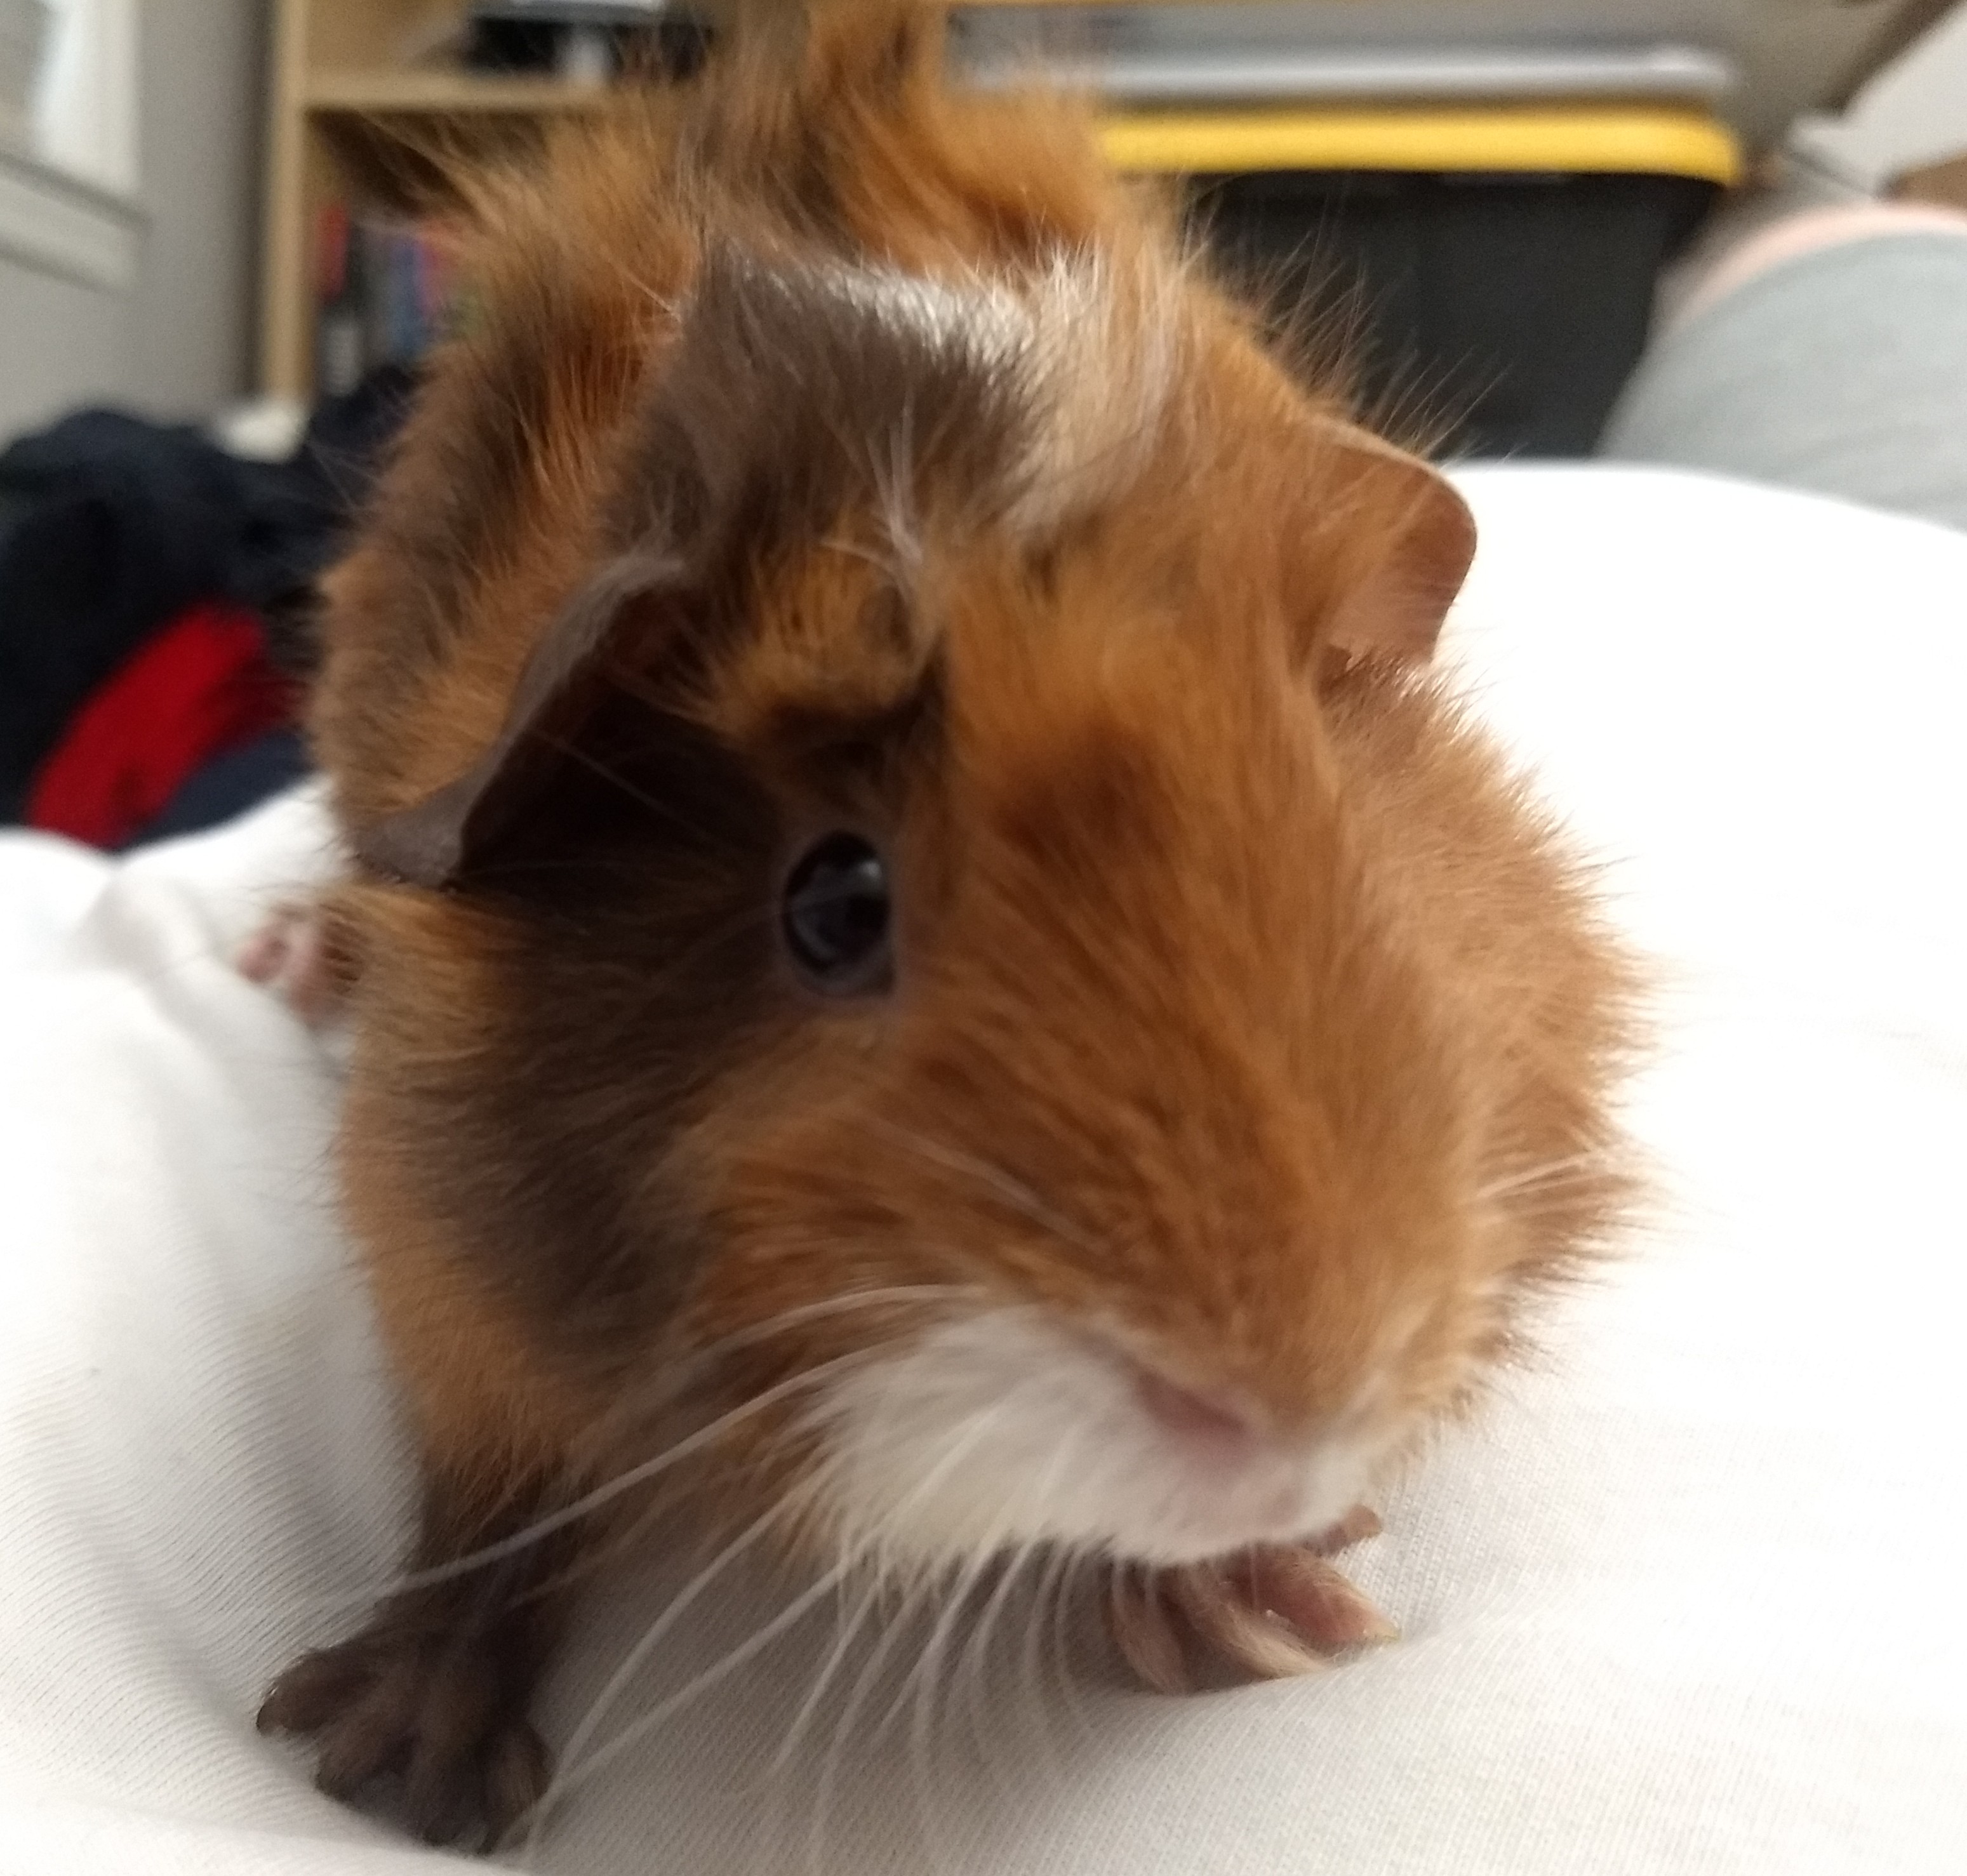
(1687,1599)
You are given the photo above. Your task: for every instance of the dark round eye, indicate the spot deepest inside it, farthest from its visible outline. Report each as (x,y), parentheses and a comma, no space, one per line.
(835,916)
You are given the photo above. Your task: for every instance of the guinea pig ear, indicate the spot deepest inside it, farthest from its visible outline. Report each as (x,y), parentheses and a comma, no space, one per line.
(1413,539)
(434,842)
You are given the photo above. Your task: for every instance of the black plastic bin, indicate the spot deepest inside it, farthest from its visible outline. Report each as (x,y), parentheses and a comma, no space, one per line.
(1506,302)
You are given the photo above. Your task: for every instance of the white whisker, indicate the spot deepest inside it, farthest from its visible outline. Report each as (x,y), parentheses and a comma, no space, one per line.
(976,1656)
(976,1659)
(924,1675)
(598,1761)
(1014,1191)
(831,1306)
(1067,1599)
(625,1670)
(973,1665)
(1032,1651)
(845,1631)
(863,1686)
(1575,1165)
(978,1425)
(649,1469)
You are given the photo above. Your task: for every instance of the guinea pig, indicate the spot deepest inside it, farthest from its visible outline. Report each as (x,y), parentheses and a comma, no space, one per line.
(922,947)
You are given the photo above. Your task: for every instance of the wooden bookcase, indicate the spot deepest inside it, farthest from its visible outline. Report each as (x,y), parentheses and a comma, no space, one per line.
(354,94)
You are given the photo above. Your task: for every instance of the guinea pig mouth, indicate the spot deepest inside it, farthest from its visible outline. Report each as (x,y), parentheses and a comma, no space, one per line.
(1002,1429)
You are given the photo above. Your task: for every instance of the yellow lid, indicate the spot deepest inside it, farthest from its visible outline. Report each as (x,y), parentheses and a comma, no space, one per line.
(1639,139)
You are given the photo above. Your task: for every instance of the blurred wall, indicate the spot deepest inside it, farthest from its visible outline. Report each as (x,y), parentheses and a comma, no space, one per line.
(179,343)
(60,344)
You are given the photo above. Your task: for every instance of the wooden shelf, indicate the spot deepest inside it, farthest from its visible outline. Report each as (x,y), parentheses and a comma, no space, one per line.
(356,103)
(440,93)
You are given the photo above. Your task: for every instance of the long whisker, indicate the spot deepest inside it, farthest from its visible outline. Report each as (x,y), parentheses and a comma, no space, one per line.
(922,1678)
(754,1644)
(977,1657)
(577,1772)
(926,1672)
(605,1494)
(1067,1599)
(557,1520)
(1014,1191)
(662,810)
(845,1632)
(631,1663)
(1046,1591)
(831,1306)
(863,1685)
(980,1424)
(1034,1633)
(842,1643)
(1575,1165)
(987,1552)
(615,1428)
(960,1449)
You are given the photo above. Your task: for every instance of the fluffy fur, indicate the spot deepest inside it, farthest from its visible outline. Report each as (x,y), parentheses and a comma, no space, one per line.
(830,451)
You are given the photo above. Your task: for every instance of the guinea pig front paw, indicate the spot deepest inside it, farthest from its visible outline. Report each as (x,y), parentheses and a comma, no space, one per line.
(435,1712)
(1262,1614)
(294,954)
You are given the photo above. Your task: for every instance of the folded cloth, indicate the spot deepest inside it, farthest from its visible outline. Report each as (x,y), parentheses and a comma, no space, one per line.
(1682,1600)
(200,688)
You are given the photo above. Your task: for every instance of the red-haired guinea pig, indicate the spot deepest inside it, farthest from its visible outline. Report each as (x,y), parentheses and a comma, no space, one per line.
(918,938)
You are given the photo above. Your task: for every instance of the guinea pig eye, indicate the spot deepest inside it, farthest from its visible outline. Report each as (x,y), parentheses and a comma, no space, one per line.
(835,916)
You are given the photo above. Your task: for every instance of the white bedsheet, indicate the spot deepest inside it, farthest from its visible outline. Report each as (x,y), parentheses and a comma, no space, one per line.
(1687,1600)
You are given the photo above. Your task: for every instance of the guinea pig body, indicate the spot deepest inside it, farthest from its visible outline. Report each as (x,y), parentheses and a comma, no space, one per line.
(920,929)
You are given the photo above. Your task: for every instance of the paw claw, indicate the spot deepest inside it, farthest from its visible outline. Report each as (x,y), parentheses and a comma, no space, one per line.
(1144,1630)
(1266,1613)
(294,953)
(1238,1630)
(398,1700)
(442,1819)
(312,1690)
(368,1735)
(1314,1600)
(517,1770)
(1358,1524)
(439,1789)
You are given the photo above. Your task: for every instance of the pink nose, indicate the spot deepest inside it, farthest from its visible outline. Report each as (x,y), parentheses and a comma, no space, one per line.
(1205,1419)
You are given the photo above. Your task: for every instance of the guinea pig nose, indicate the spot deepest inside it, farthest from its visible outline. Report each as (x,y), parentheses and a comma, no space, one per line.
(1193,1414)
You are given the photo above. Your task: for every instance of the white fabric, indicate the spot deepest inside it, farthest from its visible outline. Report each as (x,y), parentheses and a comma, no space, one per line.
(1687,1599)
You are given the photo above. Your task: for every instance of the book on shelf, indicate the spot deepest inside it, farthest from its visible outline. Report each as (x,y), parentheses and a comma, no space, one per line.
(385,293)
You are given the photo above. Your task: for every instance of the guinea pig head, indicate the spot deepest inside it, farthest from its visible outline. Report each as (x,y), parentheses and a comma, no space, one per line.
(1030,1090)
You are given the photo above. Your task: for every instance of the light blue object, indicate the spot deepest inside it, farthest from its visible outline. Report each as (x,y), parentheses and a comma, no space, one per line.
(1842,371)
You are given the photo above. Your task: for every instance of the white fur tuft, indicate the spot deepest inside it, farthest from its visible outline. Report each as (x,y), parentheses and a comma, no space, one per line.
(1101,369)
(1090,351)
(1001,1428)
